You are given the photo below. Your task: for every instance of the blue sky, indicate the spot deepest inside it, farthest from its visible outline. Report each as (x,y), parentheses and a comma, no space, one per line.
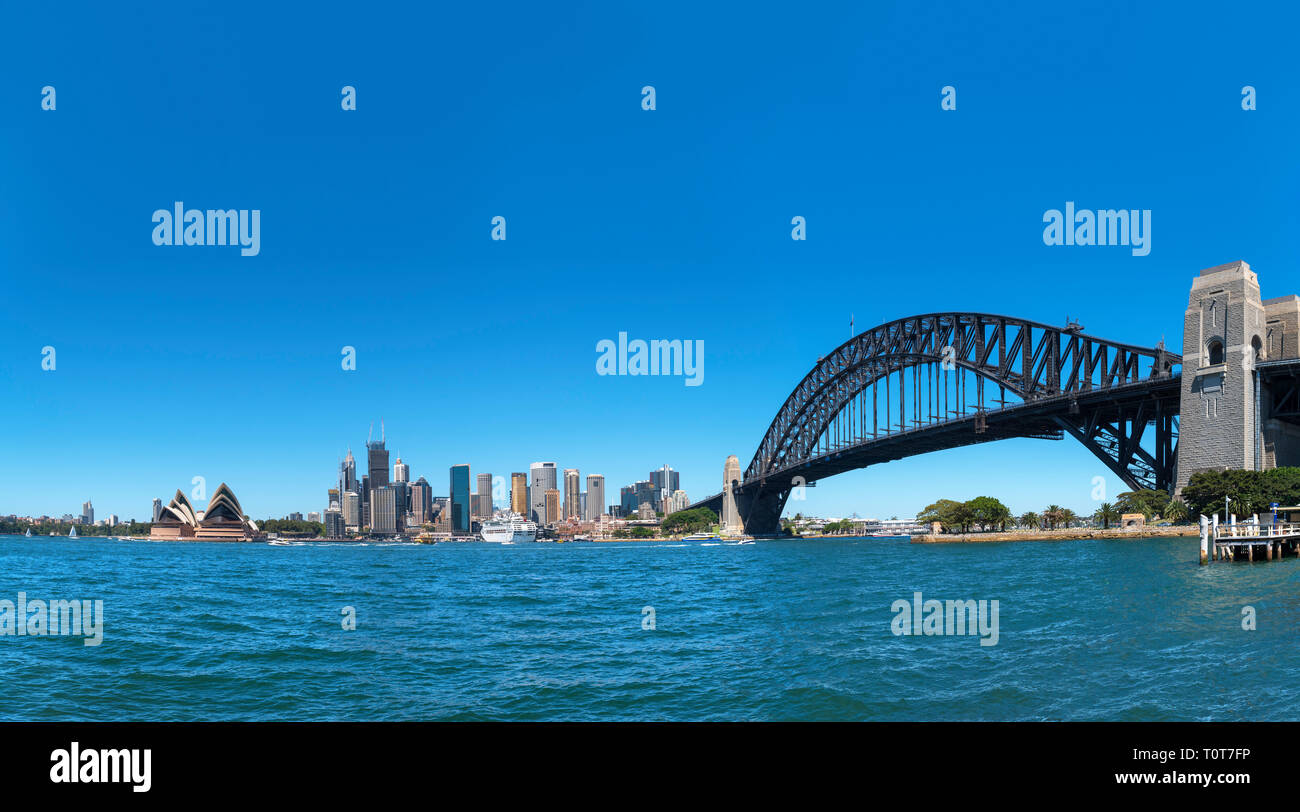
(175,362)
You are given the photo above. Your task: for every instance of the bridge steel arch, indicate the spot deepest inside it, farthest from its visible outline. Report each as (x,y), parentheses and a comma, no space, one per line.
(1048,381)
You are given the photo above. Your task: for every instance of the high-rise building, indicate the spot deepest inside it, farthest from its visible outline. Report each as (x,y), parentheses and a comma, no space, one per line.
(352,509)
(572,495)
(421,501)
(348,474)
(157,509)
(551,503)
(87,512)
(334,500)
(543,475)
(519,493)
(384,509)
(595,496)
(313,516)
(401,471)
(334,526)
(676,501)
(460,515)
(664,481)
(377,469)
(483,498)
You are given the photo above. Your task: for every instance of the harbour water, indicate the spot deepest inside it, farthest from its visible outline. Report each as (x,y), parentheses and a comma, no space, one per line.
(778,630)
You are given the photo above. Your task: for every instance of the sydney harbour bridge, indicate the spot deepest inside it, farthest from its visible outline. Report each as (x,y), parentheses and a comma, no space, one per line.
(946,380)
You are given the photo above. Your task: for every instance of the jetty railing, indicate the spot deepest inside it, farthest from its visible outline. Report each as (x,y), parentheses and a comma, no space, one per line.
(1218,541)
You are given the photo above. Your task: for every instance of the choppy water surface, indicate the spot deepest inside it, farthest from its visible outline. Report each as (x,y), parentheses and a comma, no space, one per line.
(1128,630)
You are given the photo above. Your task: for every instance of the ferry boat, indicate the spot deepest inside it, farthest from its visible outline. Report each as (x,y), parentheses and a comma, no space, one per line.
(702,537)
(511,530)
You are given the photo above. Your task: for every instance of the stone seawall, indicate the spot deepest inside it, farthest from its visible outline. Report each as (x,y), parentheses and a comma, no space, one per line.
(1070,534)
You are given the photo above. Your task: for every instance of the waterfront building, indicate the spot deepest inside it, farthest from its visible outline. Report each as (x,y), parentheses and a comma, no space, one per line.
(384,509)
(572,485)
(519,493)
(551,507)
(595,496)
(543,476)
(87,512)
(352,510)
(421,502)
(483,499)
(157,509)
(334,526)
(176,520)
(460,508)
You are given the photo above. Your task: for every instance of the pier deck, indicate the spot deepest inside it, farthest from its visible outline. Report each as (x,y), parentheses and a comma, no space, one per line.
(1237,541)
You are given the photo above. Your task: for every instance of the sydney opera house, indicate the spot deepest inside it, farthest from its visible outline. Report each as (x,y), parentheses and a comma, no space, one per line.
(224,520)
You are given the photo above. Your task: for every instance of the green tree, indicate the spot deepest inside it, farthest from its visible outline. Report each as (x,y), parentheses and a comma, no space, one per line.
(988,512)
(1105,514)
(1030,520)
(1146,501)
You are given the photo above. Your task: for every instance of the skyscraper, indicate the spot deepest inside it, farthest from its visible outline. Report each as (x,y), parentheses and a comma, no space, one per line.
(483,499)
(401,471)
(519,493)
(383,507)
(543,474)
(87,512)
(666,479)
(460,500)
(595,496)
(157,509)
(421,501)
(572,495)
(351,510)
(377,467)
(348,474)
(551,506)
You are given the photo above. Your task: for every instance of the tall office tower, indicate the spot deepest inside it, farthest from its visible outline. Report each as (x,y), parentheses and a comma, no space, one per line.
(348,474)
(519,493)
(676,502)
(666,479)
(572,494)
(334,527)
(460,500)
(551,500)
(483,499)
(87,513)
(421,501)
(377,459)
(314,516)
(365,500)
(157,509)
(384,509)
(333,501)
(646,492)
(627,500)
(543,475)
(401,471)
(351,509)
(595,496)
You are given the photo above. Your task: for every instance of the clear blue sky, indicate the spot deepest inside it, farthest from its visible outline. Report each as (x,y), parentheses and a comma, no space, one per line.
(174,362)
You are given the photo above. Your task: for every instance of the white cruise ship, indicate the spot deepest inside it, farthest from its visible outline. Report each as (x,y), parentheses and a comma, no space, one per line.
(509,530)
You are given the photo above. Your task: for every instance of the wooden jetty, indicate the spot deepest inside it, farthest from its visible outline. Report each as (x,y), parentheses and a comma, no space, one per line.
(1248,540)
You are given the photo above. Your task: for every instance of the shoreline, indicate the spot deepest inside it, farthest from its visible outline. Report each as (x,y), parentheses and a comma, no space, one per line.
(1065,534)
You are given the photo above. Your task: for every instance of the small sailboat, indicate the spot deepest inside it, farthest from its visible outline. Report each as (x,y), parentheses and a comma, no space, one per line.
(28,534)
(73,533)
